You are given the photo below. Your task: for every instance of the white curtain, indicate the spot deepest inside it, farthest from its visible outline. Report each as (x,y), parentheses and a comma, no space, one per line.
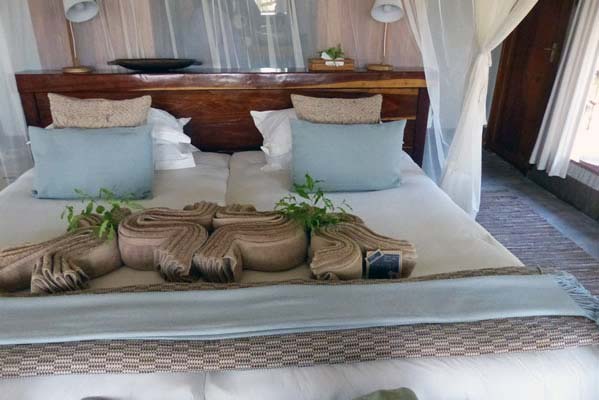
(445,35)
(456,39)
(563,116)
(17,52)
(231,34)
(243,34)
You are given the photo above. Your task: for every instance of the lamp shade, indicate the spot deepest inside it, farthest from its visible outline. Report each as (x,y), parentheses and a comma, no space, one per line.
(80,10)
(387,10)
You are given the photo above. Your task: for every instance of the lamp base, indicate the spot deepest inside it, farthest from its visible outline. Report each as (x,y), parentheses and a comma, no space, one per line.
(379,67)
(77,69)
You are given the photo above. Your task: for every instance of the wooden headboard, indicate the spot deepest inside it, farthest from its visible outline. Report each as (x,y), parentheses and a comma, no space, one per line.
(219,102)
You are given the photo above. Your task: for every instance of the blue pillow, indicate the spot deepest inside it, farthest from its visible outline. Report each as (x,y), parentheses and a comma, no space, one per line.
(117,159)
(348,158)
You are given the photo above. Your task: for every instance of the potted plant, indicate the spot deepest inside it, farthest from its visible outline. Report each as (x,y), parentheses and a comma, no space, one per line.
(331,59)
(333,56)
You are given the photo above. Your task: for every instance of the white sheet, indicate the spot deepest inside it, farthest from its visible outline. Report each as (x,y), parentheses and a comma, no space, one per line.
(446,238)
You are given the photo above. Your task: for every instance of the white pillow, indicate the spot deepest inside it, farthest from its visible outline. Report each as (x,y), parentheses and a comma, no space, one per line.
(167,128)
(174,156)
(172,147)
(275,128)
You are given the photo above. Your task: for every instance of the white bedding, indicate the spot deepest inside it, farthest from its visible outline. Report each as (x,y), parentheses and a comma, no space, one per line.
(446,238)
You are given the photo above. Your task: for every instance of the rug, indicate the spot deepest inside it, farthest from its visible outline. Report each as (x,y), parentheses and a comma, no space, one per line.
(534,240)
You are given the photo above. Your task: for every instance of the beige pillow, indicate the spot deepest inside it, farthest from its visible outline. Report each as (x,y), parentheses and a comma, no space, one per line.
(69,112)
(365,110)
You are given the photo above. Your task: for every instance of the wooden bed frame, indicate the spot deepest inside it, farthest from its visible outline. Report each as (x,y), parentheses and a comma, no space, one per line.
(219,102)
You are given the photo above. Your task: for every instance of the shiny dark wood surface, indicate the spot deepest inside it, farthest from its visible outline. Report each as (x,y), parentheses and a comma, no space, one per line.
(219,102)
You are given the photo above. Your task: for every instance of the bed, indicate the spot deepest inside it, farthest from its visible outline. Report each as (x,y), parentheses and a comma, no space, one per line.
(540,357)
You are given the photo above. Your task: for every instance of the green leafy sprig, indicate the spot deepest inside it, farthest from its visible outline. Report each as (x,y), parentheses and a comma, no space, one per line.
(334,52)
(107,206)
(313,210)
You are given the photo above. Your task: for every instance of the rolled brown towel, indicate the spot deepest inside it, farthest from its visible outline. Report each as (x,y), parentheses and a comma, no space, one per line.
(246,238)
(166,239)
(338,250)
(61,264)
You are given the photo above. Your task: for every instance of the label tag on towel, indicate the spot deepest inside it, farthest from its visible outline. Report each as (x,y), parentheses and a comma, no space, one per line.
(383,264)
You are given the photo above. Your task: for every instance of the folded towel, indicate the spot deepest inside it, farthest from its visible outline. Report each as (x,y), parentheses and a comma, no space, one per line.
(64,263)
(166,239)
(178,245)
(338,250)
(246,238)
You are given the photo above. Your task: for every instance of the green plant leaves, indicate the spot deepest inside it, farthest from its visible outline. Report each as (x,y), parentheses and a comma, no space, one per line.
(110,213)
(307,211)
(334,52)
(103,227)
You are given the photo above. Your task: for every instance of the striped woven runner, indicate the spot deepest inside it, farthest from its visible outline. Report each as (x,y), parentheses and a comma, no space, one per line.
(305,349)
(533,240)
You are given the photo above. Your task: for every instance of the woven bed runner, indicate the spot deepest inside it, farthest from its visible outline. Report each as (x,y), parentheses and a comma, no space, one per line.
(303,349)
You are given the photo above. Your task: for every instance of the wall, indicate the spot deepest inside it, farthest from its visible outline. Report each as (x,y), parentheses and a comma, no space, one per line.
(349,22)
(580,188)
(140,28)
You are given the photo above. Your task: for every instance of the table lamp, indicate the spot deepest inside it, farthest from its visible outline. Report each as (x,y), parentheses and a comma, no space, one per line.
(385,11)
(76,11)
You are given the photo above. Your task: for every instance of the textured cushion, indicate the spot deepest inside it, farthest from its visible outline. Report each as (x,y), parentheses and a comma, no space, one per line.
(275,129)
(348,157)
(338,111)
(118,159)
(68,112)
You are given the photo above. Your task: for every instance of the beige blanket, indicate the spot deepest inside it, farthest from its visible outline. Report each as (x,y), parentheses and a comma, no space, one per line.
(64,263)
(203,241)
(166,240)
(338,250)
(246,238)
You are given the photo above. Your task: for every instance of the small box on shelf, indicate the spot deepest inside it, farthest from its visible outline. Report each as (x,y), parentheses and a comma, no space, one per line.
(321,65)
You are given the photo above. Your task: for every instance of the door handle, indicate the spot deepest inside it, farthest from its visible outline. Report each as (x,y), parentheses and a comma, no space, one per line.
(553,52)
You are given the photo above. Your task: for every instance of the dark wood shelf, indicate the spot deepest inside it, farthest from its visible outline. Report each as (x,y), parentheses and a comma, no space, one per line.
(219,101)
